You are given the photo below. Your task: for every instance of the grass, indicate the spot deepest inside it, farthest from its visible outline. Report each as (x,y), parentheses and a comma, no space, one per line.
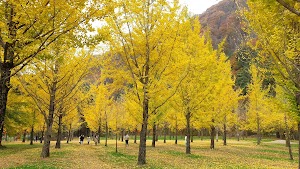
(237,154)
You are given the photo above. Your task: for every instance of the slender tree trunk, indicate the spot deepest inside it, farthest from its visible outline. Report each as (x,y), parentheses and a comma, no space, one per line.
(201,134)
(170,134)
(135,133)
(69,134)
(297,96)
(106,130)
(287,138)
(122,137)
(31,135)
(176,132)
(58,140)
(99,133)
(258,130)
(238,133)
(225,135)
(49,121)
(24,136)
(154,134)
(299,143)
(212,135)
(142,146)
(42,134)
(217,134)
(116,142)
(157,133)
(165,133)
(188,132)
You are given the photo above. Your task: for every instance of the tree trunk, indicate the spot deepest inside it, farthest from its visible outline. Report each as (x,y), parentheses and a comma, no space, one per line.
(238,133)
(69,134)
(258,130)
(154,134)
(142,146)
(106,130)
(188,132)
(42,133)
(165,133)
(49,121)
(201,134)
(122,136)
(170,134)
(217,134)
(99,133)
(59,131)
(225,135)
(157,132)
(31,135)
(298,104)
(5,68)
(135,133)
(24,136)
(287,137)
(176,132)
(116,142)
(212,135)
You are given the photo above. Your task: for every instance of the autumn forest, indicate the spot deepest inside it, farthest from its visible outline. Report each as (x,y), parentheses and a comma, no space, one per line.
(150,69)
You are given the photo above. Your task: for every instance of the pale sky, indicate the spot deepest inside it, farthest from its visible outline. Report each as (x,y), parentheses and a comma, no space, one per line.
(198,6)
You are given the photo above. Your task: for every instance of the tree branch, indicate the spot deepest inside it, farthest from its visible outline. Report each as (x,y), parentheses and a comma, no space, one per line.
(289,7)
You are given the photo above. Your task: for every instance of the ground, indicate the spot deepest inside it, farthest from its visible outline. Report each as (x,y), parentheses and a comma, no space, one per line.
(237,154)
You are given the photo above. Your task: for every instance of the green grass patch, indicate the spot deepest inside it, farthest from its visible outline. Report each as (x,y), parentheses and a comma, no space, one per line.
(35,166)
(122,156)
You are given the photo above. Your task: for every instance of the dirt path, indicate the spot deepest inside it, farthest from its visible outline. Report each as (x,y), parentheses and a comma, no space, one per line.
(281,142)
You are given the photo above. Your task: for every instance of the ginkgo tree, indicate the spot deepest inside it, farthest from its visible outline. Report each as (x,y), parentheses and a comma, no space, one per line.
(54,79)
(29,27)
(146,37)
(277,30)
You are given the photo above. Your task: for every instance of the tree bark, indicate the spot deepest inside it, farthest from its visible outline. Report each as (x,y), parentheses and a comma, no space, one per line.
(212,135)
(31,135)
(287,137)
(142,146)
(165,133)
(49,121)
(176,132)
(6,65)
(59,131)
(42,136)
(135,133)
(188,132)
(122,136)
(225,135)
(99,133)
(258,130)
(116,142)
(154,134)
(201,134)
(69,134)
(106,130)
(24,136)
(217,134)
(298,104)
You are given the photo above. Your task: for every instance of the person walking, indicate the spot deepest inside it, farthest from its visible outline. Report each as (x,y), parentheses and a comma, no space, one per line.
(88,139)
(126,138)
(81,139)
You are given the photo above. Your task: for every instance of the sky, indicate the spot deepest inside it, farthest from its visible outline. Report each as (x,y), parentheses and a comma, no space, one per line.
(198,6)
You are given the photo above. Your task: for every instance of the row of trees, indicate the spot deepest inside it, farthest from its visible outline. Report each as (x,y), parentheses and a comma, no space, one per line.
(157,69)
